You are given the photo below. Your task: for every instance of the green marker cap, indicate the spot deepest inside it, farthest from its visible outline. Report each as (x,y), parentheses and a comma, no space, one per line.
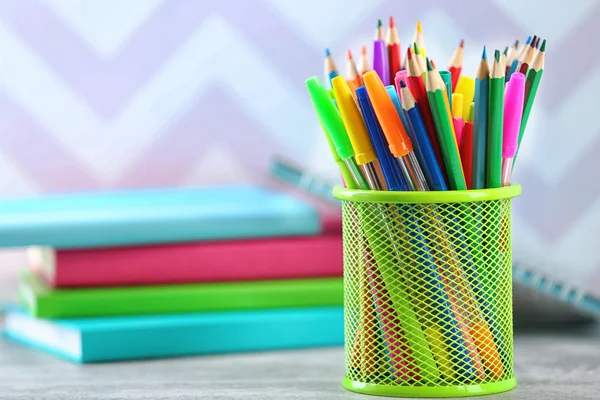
(330,117)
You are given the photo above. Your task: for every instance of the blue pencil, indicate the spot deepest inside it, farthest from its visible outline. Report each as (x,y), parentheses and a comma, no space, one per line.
(480,124)
(330,68)
(515,63)
(392,174)
(425,154)
(391,89)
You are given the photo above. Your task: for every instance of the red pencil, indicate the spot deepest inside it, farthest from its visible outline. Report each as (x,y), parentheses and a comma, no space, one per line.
(456,63)
(417,88)
(466,148)
(393,43)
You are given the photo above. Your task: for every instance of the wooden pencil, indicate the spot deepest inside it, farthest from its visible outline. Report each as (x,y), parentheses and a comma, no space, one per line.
(495,124)
(534,76)
(394,51)
(456,63)
(480,124)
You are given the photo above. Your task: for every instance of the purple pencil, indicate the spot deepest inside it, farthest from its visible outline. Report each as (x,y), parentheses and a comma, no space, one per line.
(380,61)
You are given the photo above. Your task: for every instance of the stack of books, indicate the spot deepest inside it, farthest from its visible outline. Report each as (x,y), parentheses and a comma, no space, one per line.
(171,272)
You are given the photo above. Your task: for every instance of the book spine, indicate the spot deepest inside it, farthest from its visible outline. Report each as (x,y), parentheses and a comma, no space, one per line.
(289,258)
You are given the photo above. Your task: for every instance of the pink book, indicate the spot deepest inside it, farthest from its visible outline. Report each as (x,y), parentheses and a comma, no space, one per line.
(254,259)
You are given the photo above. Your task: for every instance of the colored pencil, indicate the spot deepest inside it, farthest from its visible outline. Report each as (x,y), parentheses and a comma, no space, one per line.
(353,78)
(534,76)
(420,138)
(418,38)
(379,31)
(466,145)
(419,57)
(527,55)
(417,88)
(495,123)
(512,55)
(456,62)
(435,95)
(363,62)
(480,125)
(331,70)
(394,50)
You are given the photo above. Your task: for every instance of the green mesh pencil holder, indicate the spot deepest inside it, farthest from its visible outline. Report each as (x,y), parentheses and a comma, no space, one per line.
(428,292)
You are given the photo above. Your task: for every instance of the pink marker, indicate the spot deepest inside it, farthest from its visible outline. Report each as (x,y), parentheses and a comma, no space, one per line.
(513,111)
(459,125)
(401,76)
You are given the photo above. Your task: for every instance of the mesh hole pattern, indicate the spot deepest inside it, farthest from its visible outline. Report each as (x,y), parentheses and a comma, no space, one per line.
(428,294)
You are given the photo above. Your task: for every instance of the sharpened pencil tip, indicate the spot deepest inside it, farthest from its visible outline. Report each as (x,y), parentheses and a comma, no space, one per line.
(532,43)
(349,54)
(543,47)
(505,51)
(363,50)
(484,54)
(528,40)
(419,27)
(327,53)
(433,64)
(462,43)
(416,48)
(537,44)
(379,23)
(392,22)
(497,55)
(409,53)
(429,67)
(402,85)
(516,45)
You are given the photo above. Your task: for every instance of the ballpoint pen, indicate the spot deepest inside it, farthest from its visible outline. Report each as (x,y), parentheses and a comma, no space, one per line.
(397,138)
(428,161)
(364,154)
(380,61)
(329,116)
(391,170)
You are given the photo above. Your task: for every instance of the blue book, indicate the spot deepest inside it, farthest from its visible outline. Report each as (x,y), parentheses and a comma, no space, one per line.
(148,216)
(552,294)
(89,340)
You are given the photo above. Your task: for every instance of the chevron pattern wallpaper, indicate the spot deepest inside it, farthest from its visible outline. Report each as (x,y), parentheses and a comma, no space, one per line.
(100,94)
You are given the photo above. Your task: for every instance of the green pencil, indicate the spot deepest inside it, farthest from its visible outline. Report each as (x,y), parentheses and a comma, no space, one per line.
(435,95)
(495,124)
(534,76)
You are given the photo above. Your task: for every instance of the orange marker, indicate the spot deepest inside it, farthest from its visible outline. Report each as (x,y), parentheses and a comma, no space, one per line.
(399,143)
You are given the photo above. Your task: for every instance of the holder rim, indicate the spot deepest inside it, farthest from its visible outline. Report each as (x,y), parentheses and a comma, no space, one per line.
(451,196)
(430,392)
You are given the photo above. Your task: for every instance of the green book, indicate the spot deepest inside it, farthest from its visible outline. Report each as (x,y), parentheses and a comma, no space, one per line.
(45,302)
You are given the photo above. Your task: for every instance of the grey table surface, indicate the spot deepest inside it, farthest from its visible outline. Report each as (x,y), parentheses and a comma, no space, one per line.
(554,364)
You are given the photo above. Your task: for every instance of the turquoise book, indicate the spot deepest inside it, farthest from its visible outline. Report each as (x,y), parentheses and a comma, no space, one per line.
(149,216)
(93,340)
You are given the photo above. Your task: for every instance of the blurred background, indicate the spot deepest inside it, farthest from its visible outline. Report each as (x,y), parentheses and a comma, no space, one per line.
(111,94)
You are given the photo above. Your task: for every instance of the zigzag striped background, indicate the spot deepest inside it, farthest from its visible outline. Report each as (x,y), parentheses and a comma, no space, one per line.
(128,93)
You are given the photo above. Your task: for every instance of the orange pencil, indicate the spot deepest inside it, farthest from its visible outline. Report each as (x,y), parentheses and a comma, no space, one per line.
(456,63)
(353,78)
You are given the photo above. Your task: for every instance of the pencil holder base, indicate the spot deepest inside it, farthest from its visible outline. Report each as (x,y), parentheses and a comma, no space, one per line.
(430,392)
